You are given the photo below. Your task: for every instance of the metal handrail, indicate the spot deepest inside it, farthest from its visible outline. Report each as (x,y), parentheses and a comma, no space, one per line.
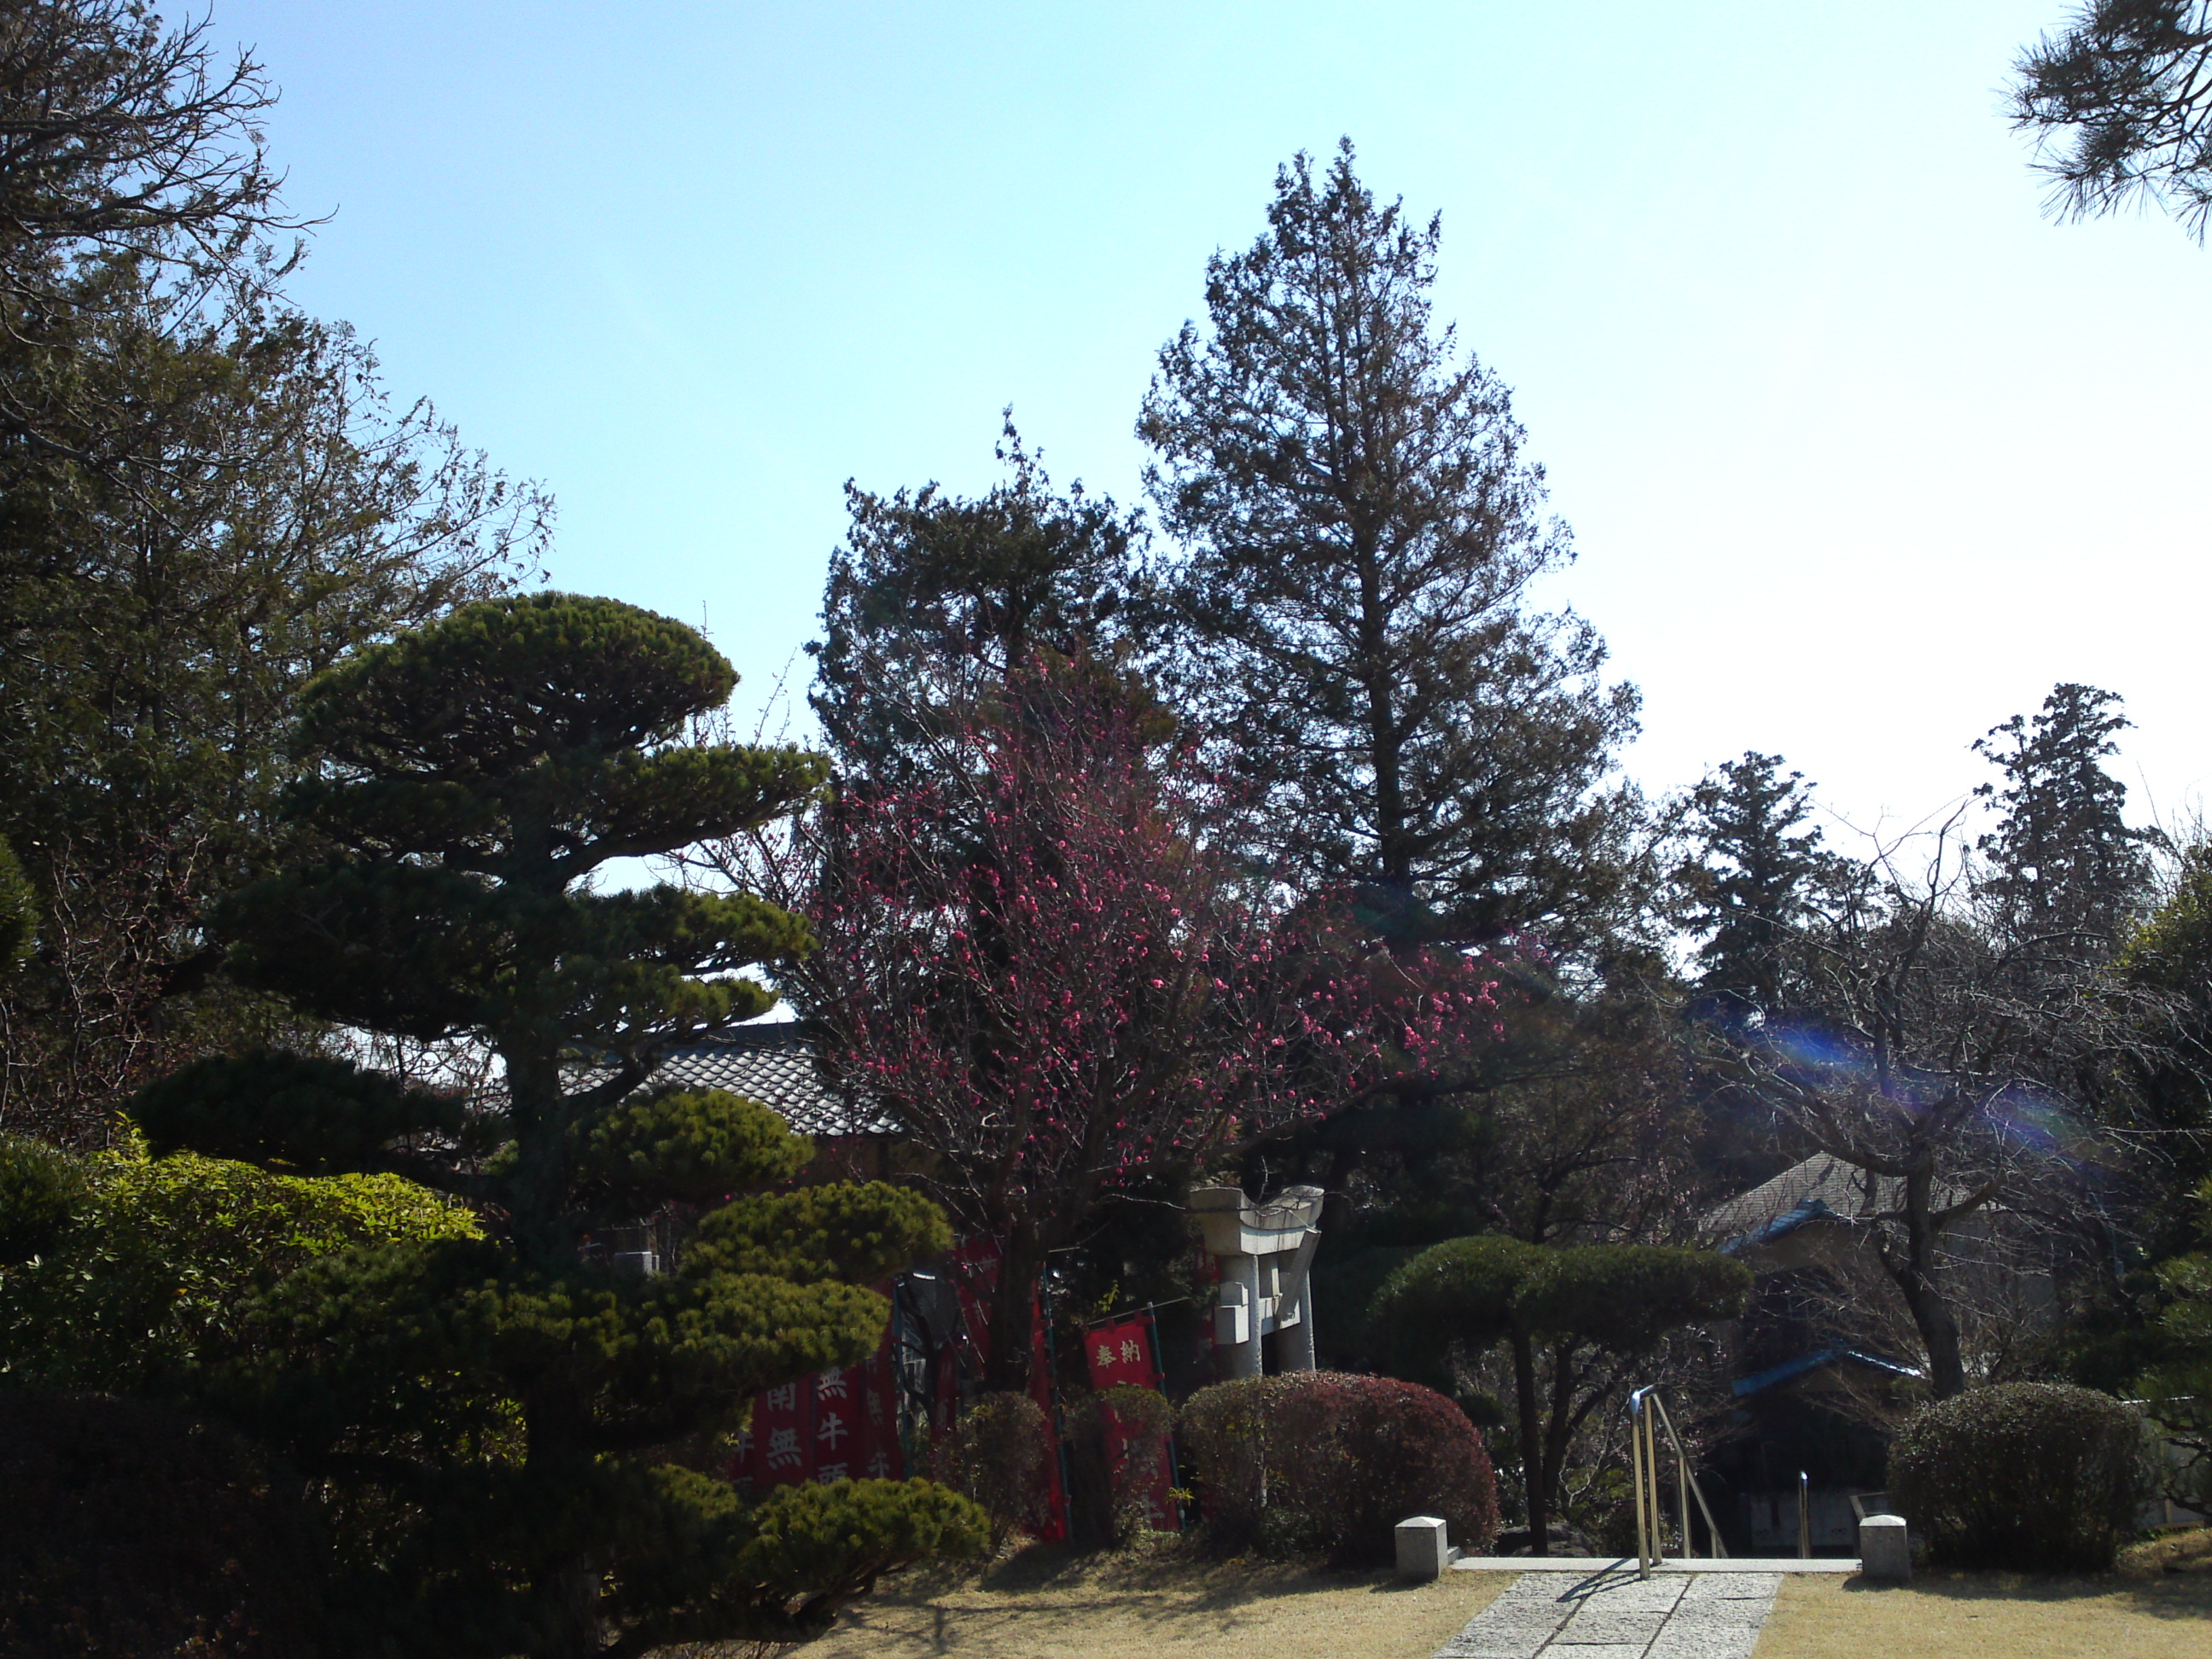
(1644,1426)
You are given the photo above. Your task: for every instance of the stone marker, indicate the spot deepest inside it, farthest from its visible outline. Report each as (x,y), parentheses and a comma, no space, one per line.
(1884,1550)
(1422,1551)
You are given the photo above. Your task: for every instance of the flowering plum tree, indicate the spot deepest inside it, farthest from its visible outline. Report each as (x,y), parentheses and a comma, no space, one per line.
(1038,962)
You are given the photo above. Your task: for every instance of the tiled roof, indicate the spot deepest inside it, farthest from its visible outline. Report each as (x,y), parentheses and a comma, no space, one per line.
(775,1065)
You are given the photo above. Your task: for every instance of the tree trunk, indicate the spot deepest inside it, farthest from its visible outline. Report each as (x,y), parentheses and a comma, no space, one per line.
(565,1582)
(1918,1276)
(1013,1315)
(573,1599)
(1532,1446)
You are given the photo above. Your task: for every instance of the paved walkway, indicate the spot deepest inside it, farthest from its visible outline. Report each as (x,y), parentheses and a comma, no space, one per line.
(1617,1615)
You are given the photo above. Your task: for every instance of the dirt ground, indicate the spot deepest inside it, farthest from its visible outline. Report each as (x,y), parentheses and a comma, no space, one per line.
(2159,1606)
(1159,1607)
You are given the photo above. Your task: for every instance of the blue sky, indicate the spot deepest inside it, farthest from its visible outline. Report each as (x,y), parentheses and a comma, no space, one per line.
(1863,452)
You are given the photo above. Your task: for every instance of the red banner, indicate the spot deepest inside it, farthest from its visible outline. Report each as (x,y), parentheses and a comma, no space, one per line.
(836,1424)
(1124,1354)
(831,1425)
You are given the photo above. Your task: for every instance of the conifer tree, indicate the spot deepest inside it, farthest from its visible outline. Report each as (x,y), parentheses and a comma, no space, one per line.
(937,602)
(1760,870)
(2065,869)
(1363,528)
(507,1414)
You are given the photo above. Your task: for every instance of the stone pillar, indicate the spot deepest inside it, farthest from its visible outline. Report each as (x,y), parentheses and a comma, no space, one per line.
(1264,1250)
(1294,1342)
(1885,1552)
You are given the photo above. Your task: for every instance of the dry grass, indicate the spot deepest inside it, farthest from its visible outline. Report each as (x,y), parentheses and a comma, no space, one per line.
(1158,1605)
(2157,1606)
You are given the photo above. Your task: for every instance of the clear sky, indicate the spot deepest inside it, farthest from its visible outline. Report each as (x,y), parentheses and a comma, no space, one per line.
(1863,452)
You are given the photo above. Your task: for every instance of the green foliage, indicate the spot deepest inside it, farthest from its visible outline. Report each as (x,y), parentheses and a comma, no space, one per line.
(2031,1476)
(1465,1290)
(154,1269)
(856,1233)
(2064,867)
(996,1454)
(1575,1304)
(813,1548)
(1121,1439)
(698,1565)
(298,1113)
(1759,871)
(2177,1391)
(1332,1462)
(226,504)
(129,1529)
(41,1191)
(937,602)
(1626,1297)
(694,1147)
(2125,87)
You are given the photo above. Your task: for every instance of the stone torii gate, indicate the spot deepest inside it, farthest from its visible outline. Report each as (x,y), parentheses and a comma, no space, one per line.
(1266,1252)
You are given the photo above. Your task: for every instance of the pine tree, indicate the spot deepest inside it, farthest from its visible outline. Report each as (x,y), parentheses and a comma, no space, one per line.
(2127,85)
(937,602)
(508,1409)
(1363,531)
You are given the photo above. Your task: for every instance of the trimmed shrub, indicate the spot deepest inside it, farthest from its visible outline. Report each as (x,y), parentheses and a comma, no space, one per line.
(2032,1477)
(996,1454)
(132,1532)
(1329,1463)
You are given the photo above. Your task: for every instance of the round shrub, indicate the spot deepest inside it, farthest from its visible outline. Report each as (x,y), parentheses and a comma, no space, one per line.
(1331,1462)
(2032,1477)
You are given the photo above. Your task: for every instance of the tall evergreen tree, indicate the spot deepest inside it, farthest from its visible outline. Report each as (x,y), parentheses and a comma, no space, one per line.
(1758,871)
(1364,531)
(2067,873)
(511,1410)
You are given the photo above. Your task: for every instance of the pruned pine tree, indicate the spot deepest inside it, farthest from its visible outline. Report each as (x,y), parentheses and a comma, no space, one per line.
(1363,531)
(511,1409)
(1576,1320)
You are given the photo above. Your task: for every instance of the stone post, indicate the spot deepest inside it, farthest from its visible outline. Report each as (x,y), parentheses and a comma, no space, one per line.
(1423,1552)
(1885,1552)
